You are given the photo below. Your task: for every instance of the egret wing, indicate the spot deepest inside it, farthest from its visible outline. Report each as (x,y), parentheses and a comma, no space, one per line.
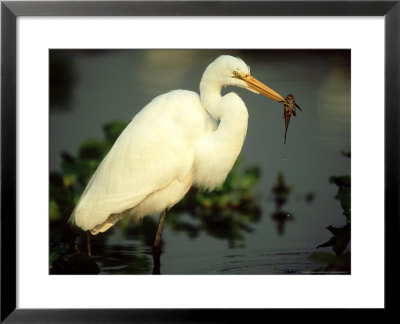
(148,156)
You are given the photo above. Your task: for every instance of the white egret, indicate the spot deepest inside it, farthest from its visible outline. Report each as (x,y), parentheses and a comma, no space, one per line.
(172,144)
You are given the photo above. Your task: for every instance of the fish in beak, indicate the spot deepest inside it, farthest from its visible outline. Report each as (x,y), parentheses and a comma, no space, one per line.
(289,108)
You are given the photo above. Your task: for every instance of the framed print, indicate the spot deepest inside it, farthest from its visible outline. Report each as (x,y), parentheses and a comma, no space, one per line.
(274,188)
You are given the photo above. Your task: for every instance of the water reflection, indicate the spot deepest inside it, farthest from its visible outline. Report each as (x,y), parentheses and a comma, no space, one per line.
(266,263)
(281,218)
(156,262)
(280,193)
(132,260)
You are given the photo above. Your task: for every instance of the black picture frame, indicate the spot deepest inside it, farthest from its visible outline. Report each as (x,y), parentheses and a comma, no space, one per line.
(11,10)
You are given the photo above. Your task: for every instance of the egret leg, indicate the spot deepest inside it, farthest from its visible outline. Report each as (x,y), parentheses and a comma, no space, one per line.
(156,246)
(160,226)
(89,251)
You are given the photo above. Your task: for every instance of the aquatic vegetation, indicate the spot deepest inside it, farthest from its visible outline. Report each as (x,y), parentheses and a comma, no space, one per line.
(340,261)
(332,263)
(341,235)
(65,190)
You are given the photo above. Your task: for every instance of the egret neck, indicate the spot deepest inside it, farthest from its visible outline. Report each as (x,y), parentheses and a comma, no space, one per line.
(219,151)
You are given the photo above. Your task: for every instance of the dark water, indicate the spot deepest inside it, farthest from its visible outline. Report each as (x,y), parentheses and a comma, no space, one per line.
(132,258)
(96,87)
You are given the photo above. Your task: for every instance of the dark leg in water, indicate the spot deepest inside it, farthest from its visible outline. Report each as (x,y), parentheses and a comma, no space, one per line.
(156,246)
(89,251)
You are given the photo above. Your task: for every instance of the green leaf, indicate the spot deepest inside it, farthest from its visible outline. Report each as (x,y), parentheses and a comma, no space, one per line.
(54,256)
(340,240)
(344,196)
(341,180)
(337,231)
(54,211)
(328,243)
(92,150)
(113,130)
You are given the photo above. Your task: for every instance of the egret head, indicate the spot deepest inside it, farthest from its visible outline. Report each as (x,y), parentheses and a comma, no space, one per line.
(232,71)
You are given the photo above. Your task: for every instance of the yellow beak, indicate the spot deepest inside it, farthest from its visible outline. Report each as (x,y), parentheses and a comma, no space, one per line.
(260,87)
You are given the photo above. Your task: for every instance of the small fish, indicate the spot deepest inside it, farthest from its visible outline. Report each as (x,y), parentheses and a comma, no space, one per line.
(289,108)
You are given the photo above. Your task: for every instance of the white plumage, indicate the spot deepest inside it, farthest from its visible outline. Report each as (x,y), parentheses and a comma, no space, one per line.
(173,143)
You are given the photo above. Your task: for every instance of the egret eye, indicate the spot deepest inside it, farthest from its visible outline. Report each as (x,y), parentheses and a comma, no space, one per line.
(237,75)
